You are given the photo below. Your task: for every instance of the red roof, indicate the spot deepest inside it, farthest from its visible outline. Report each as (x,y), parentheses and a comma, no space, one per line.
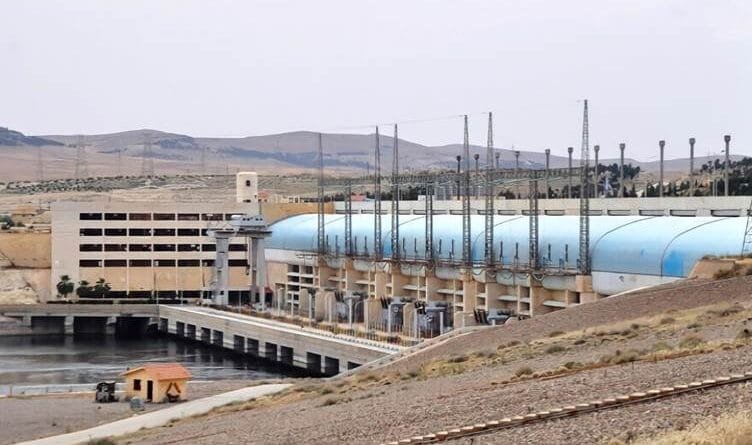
(162,371)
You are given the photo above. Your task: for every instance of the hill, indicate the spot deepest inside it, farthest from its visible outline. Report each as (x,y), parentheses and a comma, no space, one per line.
(13,138)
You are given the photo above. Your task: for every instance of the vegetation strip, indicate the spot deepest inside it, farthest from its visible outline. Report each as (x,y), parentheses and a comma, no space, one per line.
(574,410)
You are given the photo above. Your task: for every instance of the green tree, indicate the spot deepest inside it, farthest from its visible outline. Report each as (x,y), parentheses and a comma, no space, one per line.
(101,287)
(84,289)
(64,286)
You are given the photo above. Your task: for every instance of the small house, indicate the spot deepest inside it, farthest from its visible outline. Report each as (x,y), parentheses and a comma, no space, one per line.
(157,382)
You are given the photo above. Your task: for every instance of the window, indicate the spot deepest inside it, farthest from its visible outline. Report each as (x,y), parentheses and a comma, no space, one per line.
(164,247)
(90,248)
(115,232)
(137,384)
(187,216)
(164,232)
(189,247)
(209,247)
(139,232)
(114,216)
(211,216)
(238,263)
(188,232)
(247,183)
(164,217)
(140,263)
(188,263)
(90,216)
(204,232)
(115,263)
(238,247)
(90,232)
(115,247)
(164,263)
(207,263)
(89,263)
(140,216)
(139,247)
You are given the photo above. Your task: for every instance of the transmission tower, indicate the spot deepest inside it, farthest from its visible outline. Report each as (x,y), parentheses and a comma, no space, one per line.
(40,165)
(377,247)
(584,268)
(81,168)
(147,158)
(395,198)
(490,194)
(466,241)
(320,189)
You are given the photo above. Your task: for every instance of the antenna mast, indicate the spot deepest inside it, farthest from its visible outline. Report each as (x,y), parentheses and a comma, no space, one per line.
(585,195)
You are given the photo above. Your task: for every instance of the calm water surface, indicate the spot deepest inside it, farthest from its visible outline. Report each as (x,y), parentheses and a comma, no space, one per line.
(44,360)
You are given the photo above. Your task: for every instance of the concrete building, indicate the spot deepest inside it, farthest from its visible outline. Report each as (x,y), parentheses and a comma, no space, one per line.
(627,252)
(157,382)
(145,249)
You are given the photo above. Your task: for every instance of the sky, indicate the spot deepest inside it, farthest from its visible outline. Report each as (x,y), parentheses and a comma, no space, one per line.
(651,69)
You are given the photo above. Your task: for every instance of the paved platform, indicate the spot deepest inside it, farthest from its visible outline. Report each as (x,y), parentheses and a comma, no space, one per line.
(160,417)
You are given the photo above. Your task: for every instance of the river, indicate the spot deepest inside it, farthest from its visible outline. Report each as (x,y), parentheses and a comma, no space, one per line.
(58,360)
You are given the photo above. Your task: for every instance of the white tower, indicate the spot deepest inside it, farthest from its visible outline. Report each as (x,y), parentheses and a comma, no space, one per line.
(246,190)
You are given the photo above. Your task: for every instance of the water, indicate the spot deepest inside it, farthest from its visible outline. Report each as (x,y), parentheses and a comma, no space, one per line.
(61,360)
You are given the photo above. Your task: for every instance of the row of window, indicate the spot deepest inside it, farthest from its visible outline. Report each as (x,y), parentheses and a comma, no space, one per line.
(157,263)
(155,216)
(142,232)
(158,247)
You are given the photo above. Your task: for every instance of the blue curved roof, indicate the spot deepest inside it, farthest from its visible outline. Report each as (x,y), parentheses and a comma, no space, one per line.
(661,246)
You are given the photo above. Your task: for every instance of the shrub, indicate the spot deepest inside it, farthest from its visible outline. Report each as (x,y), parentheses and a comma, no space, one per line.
(662,346)
(667,320)
(555,348)
(691,342)
(726,311)
(572,365)
(555,333)
(525,370)
(744,334)
(694,325)
(580,341)
(458,359)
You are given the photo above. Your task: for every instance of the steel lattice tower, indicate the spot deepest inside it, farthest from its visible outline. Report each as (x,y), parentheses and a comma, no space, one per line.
(490,194)
(40,165)
(534,261)
(584,266)
(395,199)
(321,241)
(147,158)
(81,169)
(377,241)
(466,241)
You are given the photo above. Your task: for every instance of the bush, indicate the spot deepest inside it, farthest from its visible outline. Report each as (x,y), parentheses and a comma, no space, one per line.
(555,333)
(458,359)
(667,320)
(555,348)
(691,342)
(744,334)
(525,370)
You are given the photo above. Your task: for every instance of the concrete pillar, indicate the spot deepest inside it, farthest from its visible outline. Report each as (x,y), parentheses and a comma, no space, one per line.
(726,165)
(622,146)
(26,321)
(691,166)
(111,326)
(661,146)
(68,325)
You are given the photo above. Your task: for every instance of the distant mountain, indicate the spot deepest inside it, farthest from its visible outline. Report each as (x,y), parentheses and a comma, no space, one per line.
(11,138)
(294,152)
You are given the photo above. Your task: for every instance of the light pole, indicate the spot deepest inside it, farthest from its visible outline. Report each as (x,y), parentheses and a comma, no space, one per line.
(517,169)
(661,145)
(597,149)
(691,166)
(569,151)
(548,165)
(726,165)
(622,146)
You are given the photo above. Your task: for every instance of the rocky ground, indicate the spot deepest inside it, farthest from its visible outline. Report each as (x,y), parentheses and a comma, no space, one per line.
(26,418)
(627,344)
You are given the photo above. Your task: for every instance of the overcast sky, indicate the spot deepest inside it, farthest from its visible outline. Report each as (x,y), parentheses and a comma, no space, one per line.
(651,69)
